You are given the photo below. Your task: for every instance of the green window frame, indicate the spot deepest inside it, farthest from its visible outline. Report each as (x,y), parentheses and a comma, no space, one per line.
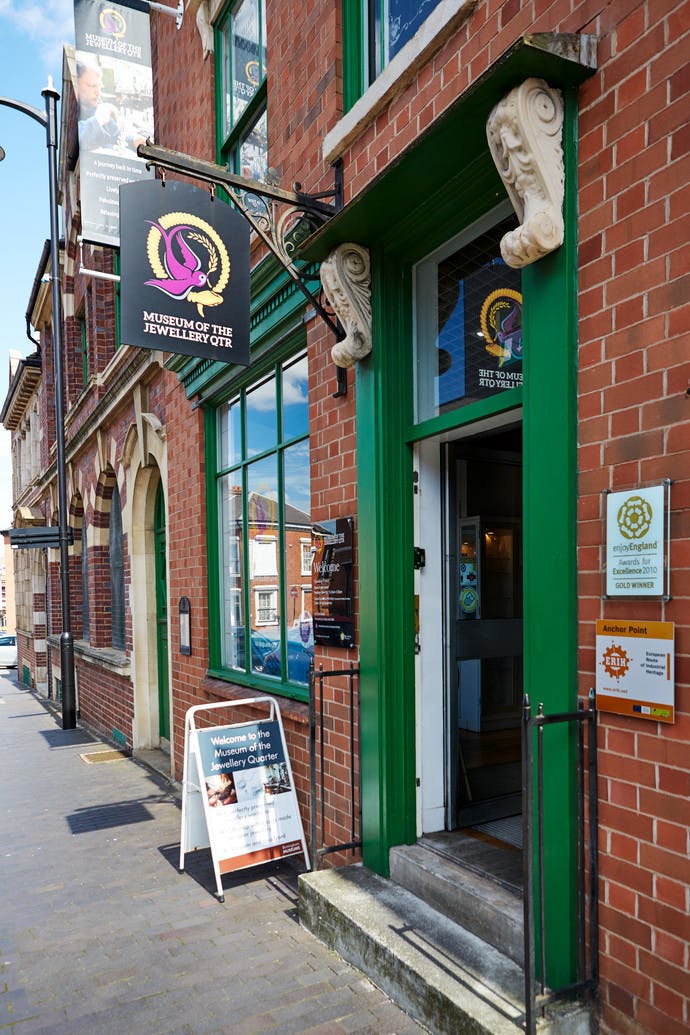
(259,502)
(373,33)
(241,88)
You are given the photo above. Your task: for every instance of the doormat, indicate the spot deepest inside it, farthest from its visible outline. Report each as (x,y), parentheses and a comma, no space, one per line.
(94,757)
(508,830)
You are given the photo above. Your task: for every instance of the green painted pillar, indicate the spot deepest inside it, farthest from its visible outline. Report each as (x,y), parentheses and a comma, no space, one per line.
(550,589)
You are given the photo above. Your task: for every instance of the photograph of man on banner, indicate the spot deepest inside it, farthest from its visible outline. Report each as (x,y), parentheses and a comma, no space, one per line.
(102,123)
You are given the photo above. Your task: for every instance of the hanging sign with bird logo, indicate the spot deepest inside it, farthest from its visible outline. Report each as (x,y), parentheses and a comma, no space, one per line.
(184,272)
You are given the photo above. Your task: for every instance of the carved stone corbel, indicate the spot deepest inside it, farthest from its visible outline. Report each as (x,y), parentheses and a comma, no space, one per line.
(204,11)
(205,29)
(524,134)
(346,281)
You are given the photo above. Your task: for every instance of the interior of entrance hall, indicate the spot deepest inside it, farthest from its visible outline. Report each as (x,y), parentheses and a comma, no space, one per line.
(483,625)
(470,661)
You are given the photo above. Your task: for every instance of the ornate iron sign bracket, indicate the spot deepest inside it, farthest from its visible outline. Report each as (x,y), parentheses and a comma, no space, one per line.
(281,232)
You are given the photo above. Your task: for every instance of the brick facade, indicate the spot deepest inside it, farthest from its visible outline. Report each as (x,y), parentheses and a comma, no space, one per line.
(633,422)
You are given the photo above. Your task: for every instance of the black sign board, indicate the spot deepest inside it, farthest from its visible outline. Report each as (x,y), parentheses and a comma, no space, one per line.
(184,272)
(332,582)
(114,89)
(37,537)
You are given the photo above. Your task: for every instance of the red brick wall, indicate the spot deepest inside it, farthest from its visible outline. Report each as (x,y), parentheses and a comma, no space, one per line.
(334,494)
(182,88)
(304,65)
(105,699)
(635,429)
(187,557)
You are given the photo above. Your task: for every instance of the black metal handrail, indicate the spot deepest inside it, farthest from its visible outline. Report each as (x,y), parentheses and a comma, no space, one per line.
(588,962)
(319,848)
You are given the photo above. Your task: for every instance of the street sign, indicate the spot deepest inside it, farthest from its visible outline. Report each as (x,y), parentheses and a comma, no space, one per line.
(37,537)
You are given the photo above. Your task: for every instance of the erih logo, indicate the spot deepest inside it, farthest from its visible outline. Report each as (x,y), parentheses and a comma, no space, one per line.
(615,661)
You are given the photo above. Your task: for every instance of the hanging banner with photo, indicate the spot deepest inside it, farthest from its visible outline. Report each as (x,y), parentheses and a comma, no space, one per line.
(184,272)
(114,88)
(238,792)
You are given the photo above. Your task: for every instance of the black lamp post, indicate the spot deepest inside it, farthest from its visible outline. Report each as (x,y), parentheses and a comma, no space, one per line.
(49,122)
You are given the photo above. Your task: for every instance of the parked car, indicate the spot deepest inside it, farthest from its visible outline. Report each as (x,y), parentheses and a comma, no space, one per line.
(299,658)
(8,650)
(260,646)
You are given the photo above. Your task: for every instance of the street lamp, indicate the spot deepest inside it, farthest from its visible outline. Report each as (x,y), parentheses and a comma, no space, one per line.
(49,122)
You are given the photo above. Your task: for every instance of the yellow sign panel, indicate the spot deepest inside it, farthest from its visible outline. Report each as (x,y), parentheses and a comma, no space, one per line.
(635,668)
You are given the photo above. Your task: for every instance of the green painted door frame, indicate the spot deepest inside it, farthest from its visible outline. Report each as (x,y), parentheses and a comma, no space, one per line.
(159,538)
(385,433)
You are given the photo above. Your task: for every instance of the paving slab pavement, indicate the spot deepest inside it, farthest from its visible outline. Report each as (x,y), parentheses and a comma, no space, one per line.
(100,933)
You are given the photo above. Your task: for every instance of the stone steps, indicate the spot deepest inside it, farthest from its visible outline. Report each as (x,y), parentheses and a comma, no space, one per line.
(448,977)
(476,903)
(440,974)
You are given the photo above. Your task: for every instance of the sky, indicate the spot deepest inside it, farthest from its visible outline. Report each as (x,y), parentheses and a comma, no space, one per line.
(32,35)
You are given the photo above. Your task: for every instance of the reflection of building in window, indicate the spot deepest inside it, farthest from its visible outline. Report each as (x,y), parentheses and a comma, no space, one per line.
(233,555)
(263,552)
(305,545)
(263,495)
(266,605)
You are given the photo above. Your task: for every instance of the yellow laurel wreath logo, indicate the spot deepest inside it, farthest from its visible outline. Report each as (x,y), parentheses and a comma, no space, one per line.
(495,308)
(112,23)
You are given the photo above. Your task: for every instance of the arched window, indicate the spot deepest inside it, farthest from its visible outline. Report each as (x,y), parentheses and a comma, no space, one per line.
(84,586)
(117,572)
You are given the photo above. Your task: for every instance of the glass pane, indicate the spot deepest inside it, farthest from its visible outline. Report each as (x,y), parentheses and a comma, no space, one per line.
(254,151)
(404,18)
(262,417)
(231,507)
(469,326)
(264,565)
(230,434)
(297,519)
(297,488)
(225,82)
(295,399)
(247,63)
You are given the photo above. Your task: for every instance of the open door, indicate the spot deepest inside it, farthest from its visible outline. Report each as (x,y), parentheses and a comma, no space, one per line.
(484,627)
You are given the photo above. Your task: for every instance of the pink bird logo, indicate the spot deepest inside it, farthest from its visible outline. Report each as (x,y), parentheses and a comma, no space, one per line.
(112,23)
(182,266)
(188,259)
